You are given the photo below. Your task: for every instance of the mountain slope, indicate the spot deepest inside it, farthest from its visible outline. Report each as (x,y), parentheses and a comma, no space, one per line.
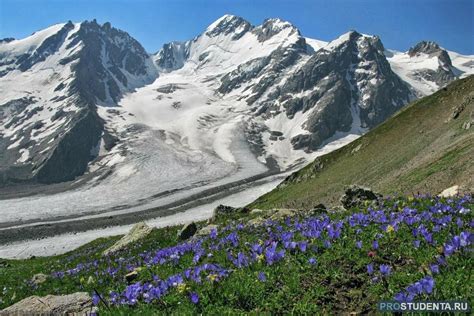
(426,147)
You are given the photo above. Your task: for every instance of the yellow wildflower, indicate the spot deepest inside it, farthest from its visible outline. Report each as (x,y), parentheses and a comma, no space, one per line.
(212,277)
(390,229)
(182,287)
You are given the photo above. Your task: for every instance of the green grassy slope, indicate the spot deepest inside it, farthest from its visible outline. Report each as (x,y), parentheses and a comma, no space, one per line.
(422,148)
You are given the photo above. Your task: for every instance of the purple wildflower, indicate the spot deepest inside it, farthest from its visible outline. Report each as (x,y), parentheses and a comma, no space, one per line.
(194,297)
(375,244)
(434,268)
(95,299)
(370,268)
(385,269)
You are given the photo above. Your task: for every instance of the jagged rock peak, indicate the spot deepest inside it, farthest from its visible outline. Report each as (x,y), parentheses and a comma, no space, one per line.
(172,56)
(6,40)
(432,49)
(229,24)
(427,47)
(358,38)
(271,27)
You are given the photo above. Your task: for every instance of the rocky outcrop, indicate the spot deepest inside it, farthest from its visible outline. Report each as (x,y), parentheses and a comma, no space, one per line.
(206,230)
(187,231)
(73,304)
(450,192)
(138,231)
(355,196)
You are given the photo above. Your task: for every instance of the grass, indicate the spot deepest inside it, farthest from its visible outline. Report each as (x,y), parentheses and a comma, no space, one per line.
(338,282)
(420,149)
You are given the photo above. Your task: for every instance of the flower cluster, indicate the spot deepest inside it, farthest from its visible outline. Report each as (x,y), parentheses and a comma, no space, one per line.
(213,258)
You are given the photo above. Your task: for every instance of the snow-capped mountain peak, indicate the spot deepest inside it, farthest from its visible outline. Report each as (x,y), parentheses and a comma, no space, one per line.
(229,24)
(356,38)
(427,66)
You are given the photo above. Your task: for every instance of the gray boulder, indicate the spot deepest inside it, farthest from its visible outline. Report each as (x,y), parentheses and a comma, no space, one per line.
(206,230)
(138,231)
(355,196)
(79,303)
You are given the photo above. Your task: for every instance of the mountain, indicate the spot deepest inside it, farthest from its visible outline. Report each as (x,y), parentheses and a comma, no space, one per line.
(426,147)
(51,85)
(427,67)
(84,105)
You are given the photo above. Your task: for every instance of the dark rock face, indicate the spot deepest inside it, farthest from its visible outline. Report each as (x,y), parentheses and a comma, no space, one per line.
(7,40)
(187,231)
(271,27)
(355,196)
(172,56)
(350,81)
(94,76)
(319,209)
(444,74)
(70,158)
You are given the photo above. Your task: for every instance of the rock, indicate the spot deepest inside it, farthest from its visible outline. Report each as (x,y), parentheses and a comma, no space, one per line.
(223,210)
(256,211)
(138,231)
(356,149)
(282,213)
(319,209)
(187,231)
(39,278)
(206,230)
(257,221)
(4,264)
(451,191)
(79,303)
(356,196)
(129,277)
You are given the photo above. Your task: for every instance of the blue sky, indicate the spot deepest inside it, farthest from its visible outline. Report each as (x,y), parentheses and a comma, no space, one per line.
(399,23)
